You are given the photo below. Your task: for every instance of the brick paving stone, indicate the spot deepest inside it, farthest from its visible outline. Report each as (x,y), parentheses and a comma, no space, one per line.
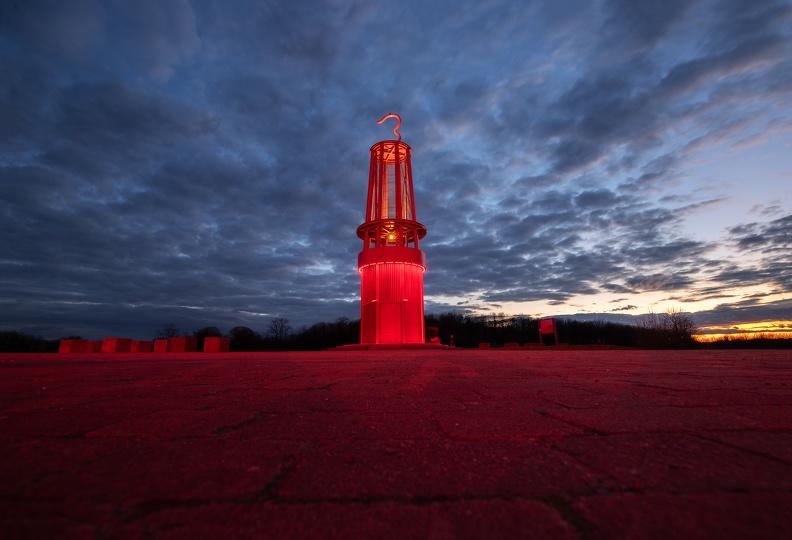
(677,463)
(37,519)
(725,516)
(346,426)
(774,444)
(765,417)
(174,424)
(187,469)
(719,398)
(383,520)
(503,424)
(268,520)
(653,419)
(29,461)
(600,395)
(64,421)
(364,399)
(496,519)
(429,469)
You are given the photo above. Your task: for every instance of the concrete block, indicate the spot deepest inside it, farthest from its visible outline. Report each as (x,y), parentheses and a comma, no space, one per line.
(75,346)
(161,345)
(116,345)
(217,344)
(183,344)
(140,346)
(484,345)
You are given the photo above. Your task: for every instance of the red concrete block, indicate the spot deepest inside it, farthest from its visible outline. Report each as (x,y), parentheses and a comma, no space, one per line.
(116,345)
(75,346)
(511,345)
(217,344)
(140,346)
(97,346)
(484,345)
(183,344)
(161,345)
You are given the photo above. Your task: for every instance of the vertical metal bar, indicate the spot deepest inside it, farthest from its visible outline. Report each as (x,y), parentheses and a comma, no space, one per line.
(412,194)
(412,216)
(369,198)
(397,181)
(377,305)
(378,181)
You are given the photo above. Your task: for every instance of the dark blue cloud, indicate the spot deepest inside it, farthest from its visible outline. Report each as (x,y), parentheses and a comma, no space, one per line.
(205,162)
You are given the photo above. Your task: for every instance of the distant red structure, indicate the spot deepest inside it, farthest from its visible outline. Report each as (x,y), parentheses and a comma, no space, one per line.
(548,327)
(140,346)
(78,346)
(391,264)
(183,344)
(217,344)
(116,345)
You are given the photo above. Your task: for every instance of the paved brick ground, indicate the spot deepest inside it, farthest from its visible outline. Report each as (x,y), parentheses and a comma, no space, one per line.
(397,444)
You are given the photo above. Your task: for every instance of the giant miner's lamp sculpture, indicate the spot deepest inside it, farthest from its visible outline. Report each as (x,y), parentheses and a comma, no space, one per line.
(391,265)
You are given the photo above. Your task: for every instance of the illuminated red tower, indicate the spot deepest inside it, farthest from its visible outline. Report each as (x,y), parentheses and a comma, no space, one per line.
(391,265)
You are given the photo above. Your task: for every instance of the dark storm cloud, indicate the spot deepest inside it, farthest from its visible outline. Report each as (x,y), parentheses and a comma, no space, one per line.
(640,24)
(746,311)
(628,307)
(768,245)
(204,162)
(767,238)
(631,102)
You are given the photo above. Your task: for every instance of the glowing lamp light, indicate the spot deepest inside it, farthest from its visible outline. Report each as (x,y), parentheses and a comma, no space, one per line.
(391,265)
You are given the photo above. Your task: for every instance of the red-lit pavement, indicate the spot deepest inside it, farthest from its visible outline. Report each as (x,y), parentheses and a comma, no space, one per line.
(397,444)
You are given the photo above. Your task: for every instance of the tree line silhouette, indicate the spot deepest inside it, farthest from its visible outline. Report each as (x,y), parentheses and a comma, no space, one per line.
(670,330)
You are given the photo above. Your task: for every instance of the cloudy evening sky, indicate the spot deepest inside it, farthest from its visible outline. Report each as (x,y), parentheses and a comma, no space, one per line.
(204,162)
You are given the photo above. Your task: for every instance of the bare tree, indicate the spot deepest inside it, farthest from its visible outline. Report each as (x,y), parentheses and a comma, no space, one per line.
(207,331)
(167,331)
(244,339)
(650,321)
(279,329)
(680,326)
(674,328)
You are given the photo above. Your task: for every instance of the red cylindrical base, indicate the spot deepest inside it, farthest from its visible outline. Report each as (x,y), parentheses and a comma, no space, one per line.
(392,300)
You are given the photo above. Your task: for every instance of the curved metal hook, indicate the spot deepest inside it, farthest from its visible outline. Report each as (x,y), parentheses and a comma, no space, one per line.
(398,123)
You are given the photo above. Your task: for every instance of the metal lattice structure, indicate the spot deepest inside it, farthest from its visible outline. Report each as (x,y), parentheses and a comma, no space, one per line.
(391,264)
